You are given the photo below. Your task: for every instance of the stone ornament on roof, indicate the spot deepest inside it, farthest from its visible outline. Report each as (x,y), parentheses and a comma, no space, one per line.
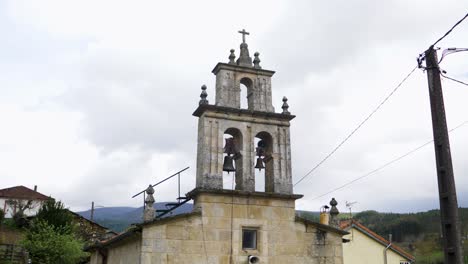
(244,57)
(203,96)
(334,213)
(285,106)
(256,61)
(148,214)
(232,57)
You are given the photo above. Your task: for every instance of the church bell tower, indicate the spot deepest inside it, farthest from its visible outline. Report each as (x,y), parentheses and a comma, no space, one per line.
(240,141)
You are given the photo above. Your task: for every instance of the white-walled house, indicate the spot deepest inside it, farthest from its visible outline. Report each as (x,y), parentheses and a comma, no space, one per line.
(364,246)
(13,198)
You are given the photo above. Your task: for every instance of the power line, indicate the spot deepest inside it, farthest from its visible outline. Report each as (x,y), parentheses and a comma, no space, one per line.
(385,165)
(448,32)
(357,128)
(449,51)
(452,79)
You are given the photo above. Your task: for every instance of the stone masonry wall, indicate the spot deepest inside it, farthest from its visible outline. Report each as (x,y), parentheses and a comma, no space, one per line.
(207,238)
(211,128)
(125,252)
(228,92)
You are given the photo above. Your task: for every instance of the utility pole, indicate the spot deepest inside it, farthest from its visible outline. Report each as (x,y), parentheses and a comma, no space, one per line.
(447,193)
(92,211)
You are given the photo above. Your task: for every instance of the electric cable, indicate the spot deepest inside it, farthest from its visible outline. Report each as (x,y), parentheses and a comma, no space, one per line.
(357,128)
(449,51)
(452,79)
(448,32)
(385,165)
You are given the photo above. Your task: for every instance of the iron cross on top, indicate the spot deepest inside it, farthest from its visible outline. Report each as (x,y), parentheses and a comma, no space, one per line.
(243,32)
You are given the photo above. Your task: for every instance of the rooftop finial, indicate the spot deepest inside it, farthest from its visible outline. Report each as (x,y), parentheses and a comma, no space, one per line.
(148,214)
(203,96)
(285,106)
(232,57)
(243,32)
(334,213)
(244,57)
(256,61)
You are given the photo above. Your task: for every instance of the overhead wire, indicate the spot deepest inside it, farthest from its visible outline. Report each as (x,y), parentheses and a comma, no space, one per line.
(385,165)
(452,79)
(357,128)
(449,51)
(448,32)
(378,107)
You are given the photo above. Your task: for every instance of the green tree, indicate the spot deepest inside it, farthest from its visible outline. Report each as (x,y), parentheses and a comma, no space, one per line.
(50,245)
(55,214)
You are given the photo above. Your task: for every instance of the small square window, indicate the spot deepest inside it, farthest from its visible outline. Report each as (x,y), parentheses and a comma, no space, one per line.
(249,239)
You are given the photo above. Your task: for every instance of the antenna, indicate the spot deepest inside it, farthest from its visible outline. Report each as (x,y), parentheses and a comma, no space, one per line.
(349,205)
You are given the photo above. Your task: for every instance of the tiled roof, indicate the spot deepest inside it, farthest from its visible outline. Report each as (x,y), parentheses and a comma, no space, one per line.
(22,192)
(78,216)
(348,224)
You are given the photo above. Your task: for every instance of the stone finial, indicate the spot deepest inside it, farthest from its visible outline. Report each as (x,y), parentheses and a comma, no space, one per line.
(285,106)
(203,96)
(256,61)
(244,57)
(232,57)
(334,213)
(148,214)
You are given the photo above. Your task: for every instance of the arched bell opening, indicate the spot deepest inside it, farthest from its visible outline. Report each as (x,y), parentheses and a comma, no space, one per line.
(263,163)
(232,163)
(246,93)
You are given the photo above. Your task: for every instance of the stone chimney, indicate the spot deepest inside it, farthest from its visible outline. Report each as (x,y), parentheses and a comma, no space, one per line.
(148,214)
(334,213)
(35,188)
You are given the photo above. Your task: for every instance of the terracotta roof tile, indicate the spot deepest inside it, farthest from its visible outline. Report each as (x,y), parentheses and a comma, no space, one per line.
(349,223)
(22,192)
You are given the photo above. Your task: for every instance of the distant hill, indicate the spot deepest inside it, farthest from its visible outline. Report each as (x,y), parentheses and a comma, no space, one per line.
(119,218)
(314,216)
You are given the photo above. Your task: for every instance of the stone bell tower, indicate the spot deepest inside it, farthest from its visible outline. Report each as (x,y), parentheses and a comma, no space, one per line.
(237,152)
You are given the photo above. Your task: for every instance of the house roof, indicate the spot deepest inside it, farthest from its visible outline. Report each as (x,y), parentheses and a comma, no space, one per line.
(78,216)
(122,236)
(22,192)
(348,224)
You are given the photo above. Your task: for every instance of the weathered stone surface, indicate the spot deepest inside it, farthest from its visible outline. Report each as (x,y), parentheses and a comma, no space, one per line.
(125,252)
(212,126)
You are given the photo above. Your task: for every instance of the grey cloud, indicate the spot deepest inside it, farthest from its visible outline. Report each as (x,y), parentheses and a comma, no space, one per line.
(138,99)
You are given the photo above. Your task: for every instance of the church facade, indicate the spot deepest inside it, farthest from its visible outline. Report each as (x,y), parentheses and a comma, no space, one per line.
(239,224)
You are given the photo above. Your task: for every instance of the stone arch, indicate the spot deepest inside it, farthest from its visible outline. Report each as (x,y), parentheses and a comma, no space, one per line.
(267,158)
(236,134)
(248,83)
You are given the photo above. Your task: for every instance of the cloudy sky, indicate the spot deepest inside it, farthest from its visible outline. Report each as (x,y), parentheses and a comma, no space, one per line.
(96,97)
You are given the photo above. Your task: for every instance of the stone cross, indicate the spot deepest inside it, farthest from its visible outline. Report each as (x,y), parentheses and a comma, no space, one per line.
(243,32)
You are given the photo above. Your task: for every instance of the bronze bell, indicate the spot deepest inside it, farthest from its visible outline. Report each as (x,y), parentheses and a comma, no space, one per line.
(230,146)
(228,164)
(259,165)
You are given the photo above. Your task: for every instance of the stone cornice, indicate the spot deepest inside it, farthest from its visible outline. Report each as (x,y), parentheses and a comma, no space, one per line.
(237,68)
(239,193)
(201,109)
